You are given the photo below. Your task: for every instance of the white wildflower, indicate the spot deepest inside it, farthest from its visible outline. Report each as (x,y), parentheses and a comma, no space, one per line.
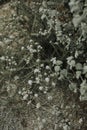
(22,48)
(38,105)
(37,80)
(47,79)
(36,95)
(36,43)
(29,102)
(16,77)
(66,127)
(36,71)
(53,84)
(53,60)
(45,74)
(80,121)
(38,60)
(25,97)
(50,98)
(43,120)
(42,65)
(47,67)
(31,40)
(30,82)
(41,88)
(2,58)
(19,92)
(76,54)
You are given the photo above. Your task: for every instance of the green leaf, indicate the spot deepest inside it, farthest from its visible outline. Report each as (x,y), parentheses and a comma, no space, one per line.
(85,69)
(57,68)
(73,87)
(59,62)
(78,74)
(78,66)
(83,91)
(63,72)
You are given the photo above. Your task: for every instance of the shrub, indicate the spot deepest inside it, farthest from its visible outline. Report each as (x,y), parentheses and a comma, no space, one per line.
(55,52)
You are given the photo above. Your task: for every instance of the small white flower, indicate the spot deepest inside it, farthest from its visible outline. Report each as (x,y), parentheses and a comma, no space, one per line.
(76,54)
(45,92)
(36,70)
(9,60)
(53,60)
(65,127)
(37,80)
(40,75)
(47,79)
(41,9)
(50,98)
(22,48)
(39,47)
(36,95)
(29,102)
(53,84)
(39,119)
(12,57)
(38,105)
(31,50)
(43,120)
(38,60)
(15,63)
(31,40)
(31,46)
(25,97)
(42,65)
(80,120)
(36,43)
(24,89)
(24,93)
(41,88)
(34,50)
(45,74)
(2,58)
(19,92)
(16,77)
(47,67)
(30,82)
